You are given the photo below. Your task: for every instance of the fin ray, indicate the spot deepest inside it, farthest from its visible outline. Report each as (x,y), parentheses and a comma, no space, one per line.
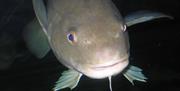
(134,73)
(69,79)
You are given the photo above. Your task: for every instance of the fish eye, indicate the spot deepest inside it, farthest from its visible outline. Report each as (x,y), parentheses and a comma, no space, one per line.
(124,28)
(71,37)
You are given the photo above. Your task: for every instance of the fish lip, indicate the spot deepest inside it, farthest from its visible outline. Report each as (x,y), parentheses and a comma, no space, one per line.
(100,71)
(103,67)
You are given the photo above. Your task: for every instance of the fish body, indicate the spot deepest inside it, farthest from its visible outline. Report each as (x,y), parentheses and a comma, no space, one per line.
(89,37)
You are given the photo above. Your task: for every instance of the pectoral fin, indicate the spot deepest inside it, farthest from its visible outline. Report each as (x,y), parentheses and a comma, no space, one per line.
(35,39)
(35,33)
(134,73)
(69,79)
(143,16)
(41,14)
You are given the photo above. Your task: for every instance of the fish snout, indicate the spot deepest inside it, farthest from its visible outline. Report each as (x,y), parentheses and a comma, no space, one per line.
(108,63)
(110,55)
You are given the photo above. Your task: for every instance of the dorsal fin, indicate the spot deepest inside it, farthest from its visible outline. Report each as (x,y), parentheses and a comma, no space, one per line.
(143,16)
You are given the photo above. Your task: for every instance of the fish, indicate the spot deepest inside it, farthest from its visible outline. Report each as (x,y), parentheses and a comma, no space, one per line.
(89,37)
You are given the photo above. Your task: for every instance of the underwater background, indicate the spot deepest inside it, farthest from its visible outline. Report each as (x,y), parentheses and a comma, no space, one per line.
(155,47)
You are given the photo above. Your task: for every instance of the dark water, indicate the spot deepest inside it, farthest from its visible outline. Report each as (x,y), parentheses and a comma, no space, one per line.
(154,47)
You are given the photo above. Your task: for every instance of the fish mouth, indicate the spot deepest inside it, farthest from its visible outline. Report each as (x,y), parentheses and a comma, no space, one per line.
(110,65)
(105,70)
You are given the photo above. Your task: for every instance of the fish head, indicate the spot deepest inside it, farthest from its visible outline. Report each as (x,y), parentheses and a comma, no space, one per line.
(98,49)
(88,36)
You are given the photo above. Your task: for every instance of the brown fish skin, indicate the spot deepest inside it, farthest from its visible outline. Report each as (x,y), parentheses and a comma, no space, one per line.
(101,46)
